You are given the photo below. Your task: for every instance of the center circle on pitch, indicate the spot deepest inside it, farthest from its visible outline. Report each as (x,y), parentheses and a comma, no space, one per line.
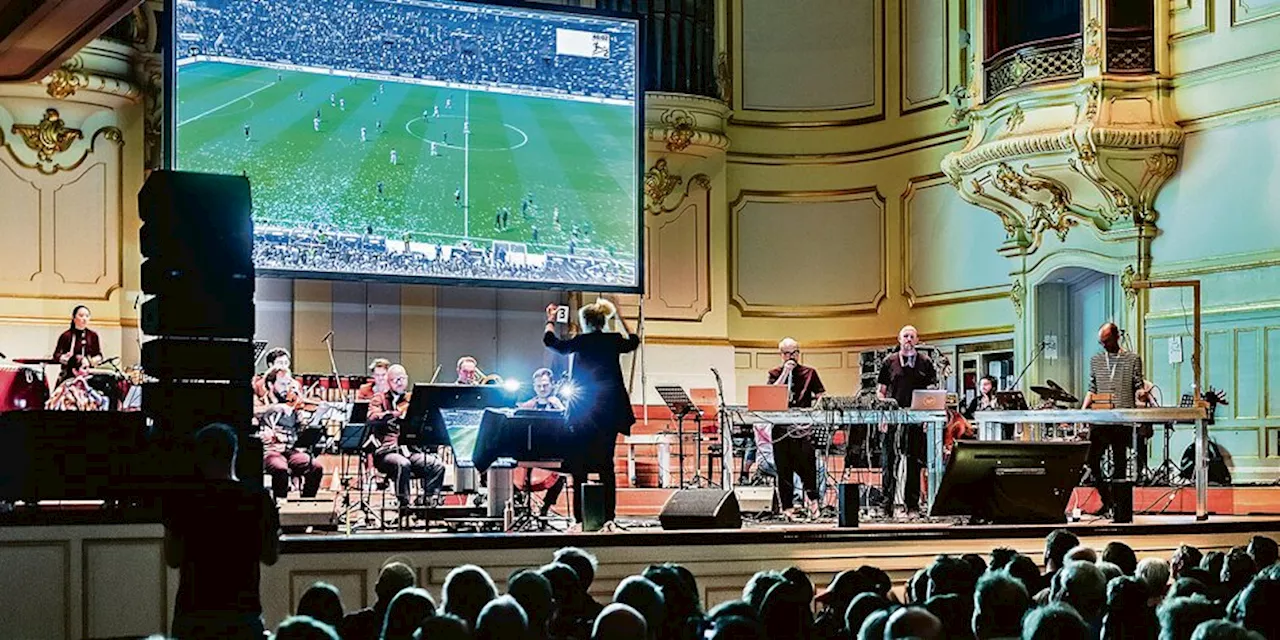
(523,138)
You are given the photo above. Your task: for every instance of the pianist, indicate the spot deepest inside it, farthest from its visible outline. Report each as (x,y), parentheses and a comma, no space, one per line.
(543,399)
(793,451)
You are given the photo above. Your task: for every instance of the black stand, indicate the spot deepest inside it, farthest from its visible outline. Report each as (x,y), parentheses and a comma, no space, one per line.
(680,405)
(351,443)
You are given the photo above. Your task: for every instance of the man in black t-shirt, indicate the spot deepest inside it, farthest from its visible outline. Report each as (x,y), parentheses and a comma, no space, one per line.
(901,374)
(793,451)
(216,536)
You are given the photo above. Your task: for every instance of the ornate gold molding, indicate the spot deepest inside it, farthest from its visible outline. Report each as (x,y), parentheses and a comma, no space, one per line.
(1093,42)
(1126,283)
(67,79)
(659,183)
(48,137)
(679,129)
(724,77)
(1016,295)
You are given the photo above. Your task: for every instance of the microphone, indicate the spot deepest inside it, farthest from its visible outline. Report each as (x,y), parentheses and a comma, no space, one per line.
(107,361)
(327,337)
(3,356)
(1039,350)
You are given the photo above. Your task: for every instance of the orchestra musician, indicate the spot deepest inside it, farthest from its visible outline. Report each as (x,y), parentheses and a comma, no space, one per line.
(544,400)
(73,393)
(602,408)
(1118,373)
(901,374)
(468,371)
(793,451)
(401,462)
(277,358)
(985,400)
(78,339)
(276,412)
(378,385)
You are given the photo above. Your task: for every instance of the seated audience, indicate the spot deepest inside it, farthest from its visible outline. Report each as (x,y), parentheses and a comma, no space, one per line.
(501,619)
(644,596)
(1121,555)
(1000,601)
(1180,616)
(913,622)
(467,589)
(322,603)
(1080,585)
(1128,617)
(304,628)
(1056,621)
(366,624)
(619,622)
(533,592)
(405,614)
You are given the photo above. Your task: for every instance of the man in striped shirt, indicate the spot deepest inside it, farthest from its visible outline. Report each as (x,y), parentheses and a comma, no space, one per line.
(1118,373)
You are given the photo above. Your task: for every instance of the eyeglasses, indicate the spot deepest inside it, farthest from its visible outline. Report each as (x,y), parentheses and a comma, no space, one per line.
(796,352)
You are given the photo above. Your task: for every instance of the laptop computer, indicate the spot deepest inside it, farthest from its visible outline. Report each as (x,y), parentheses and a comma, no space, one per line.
(767,397)
(929,400)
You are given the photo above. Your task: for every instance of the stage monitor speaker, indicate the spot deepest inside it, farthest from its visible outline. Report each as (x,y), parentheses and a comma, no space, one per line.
(198,315)
(198,359)
(850,501)
(1010,482)
(593,498)
(299,514)
(755,499)
(701,509)
(1122,501)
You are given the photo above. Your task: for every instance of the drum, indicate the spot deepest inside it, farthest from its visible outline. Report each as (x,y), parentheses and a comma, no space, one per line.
(22,388)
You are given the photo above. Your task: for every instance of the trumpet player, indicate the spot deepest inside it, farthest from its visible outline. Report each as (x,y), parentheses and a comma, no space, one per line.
(793,451)
(468,372)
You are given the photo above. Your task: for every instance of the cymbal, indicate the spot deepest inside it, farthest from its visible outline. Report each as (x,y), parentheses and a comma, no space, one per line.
(1057,394)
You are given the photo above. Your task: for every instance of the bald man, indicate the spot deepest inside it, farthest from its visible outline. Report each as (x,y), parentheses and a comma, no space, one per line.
(902,374)
(401,462)
(793,451)
(1117,373)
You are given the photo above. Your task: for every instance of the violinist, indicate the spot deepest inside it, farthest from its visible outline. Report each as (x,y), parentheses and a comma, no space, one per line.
(378,385)
(277,358)
(74,392)
(401,462)
(276,412)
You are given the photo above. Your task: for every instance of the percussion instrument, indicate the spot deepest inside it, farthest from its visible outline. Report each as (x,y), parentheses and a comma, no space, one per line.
(22,388)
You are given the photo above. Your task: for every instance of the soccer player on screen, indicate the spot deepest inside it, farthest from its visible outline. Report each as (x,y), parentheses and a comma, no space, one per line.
(448,103)
(446,137)
(434,153)
(457,197)
(534,229)
(466,127)
(315,124)
(332,98)
(363,135)
(378,124)
(246,132)
(342,103)
(299,96)
(379,188)
(555,216)
(382,88)
(394,160)
(435,113)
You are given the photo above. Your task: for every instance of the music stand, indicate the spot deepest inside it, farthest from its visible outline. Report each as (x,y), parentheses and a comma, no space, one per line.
(680,405)
(425,424)
(259,348)
(352,441)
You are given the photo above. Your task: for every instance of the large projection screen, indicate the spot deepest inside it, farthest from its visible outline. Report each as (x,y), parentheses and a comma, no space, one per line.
(406,140)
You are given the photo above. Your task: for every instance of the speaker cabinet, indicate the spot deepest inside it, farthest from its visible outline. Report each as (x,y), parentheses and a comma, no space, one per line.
(701,509)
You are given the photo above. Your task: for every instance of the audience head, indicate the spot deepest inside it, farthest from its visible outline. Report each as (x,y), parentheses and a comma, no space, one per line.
(641,594)
(1080,585)
(394,578)
(733,608)
(798,577)
(564,582)
(1264,552)
(1255,608)
(758,586)
(1000,557)
(1237,571)
(501,619)
(680,599)
(949,574)
(1055,621)
(999,603)
(533,592)
(913,622)
(1222,630)
(880,581)
(215,451)
(785,612)
(736,628)
(1180,616)
(1081,553)
(1185,557)
(321,602)
(1154,573)
(1202,575)
(844,587)
(584,564)
(1212,563)
(1121,555)
(405,614)
(443,627)
(861,608)
(305,628)
(1109,571)
(1056,546)
(467,589)
(1187,587)
(874,626)
(954,612)
(619,622)
(1127,613)
(917,590)
(691,585)
(1024,570)
(976,564)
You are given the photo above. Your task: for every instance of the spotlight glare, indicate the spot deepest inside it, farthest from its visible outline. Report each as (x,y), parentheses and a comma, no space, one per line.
(568,391)
(511,385)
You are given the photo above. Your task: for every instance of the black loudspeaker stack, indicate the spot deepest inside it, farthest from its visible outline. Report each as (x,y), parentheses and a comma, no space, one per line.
(197,241)
(701,509)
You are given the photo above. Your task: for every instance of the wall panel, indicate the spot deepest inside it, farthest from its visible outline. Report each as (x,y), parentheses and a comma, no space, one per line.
(949,247)
(119,602)
(925,60)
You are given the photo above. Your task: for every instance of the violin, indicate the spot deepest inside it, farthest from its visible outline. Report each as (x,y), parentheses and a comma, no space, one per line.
(957,429)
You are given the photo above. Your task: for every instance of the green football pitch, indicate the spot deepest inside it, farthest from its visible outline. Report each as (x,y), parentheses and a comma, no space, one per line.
(493,152)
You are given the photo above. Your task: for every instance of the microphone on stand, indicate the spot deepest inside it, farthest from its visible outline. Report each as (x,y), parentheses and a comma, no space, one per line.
(1039,351)
(327,337)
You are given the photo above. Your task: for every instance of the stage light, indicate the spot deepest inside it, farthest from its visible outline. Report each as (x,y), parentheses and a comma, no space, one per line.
(568,391)
(511,385)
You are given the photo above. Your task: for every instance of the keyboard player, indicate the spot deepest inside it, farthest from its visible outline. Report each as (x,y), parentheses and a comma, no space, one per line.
(793,451)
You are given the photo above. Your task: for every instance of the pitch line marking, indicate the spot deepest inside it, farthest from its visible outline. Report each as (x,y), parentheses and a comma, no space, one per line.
(226,104)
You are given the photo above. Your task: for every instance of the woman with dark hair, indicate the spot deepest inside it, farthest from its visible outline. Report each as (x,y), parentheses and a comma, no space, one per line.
(600,408)
(79,339)
(73,392)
